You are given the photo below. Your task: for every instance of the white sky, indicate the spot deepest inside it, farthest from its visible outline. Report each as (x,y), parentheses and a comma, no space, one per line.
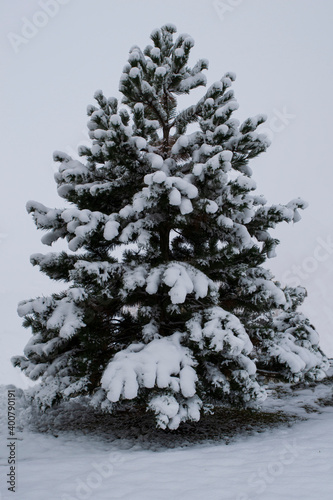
(281,51)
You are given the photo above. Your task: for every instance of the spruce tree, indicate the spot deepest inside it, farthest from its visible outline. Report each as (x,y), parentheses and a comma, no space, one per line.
(167,302)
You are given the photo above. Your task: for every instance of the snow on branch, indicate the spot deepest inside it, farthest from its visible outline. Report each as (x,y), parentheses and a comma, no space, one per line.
(223,329)
(182,279)
(163,363)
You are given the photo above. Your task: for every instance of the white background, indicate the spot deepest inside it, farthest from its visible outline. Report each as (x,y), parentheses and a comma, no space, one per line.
(281,52)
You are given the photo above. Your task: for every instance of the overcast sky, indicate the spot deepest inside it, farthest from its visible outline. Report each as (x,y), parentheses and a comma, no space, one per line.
(56,53)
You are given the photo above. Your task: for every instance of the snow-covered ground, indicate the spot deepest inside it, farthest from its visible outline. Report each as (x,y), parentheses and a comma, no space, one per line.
(284,462)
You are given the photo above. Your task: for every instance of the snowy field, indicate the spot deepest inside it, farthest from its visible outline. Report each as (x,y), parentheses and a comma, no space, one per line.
(289,461)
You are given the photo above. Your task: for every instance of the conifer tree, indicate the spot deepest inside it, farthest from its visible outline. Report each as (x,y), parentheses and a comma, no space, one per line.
(167,302)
